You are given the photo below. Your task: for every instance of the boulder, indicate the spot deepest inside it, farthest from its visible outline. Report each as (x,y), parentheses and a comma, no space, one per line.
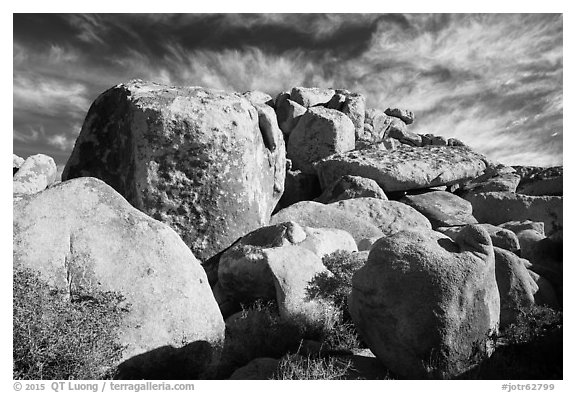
(455,142)
(498,207)
(494,178)
(388,216)
(311,96)
(318,215)
(529,233)
(257,369)
(441,208)
(348,187)
(366,136)
(319,133)
(36,173)
(258,97)
(404,168)
(403,114)
(500,237)
(278,262)
(206,162)
(352,105)
(546,294)
(83,237)
(298,187)
(426,139)
(427,306)
(16,163)
(515,285)
(397,129)
(541,181)
(380,123)
(289,114)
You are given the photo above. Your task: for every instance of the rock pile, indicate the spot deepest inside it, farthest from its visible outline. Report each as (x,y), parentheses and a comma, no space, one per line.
(193,203)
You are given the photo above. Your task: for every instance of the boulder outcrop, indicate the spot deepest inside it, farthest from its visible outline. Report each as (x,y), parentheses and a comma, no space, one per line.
(208,163)
(405,168)
(83,237)
(426,306)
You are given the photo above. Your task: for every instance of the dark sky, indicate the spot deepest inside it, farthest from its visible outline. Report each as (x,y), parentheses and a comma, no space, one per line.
(492,80)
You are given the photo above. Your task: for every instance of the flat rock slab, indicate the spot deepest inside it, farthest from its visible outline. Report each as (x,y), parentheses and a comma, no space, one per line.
(405,168)
(388,216)
(499,207)
(318,215)
(442,208)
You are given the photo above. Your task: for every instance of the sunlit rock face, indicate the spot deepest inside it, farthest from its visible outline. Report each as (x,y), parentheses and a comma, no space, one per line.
(208,163)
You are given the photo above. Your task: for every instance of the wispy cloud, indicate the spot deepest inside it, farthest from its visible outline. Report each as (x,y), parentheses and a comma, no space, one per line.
(494,81)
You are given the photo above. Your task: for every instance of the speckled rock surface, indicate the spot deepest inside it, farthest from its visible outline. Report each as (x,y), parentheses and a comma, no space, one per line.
(540,181)
(388,216)
(82,236)
(35,174)
(310,96)
(442,208)
(404,114)
(319,215)
(501,237)
(499,207)
(17,162)
(352,105)
(404,168)
(191,157)
(348,187)
(319,133)
(426,305)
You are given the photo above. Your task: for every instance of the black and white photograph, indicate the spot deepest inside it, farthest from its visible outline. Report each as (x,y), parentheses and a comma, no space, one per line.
(287,196)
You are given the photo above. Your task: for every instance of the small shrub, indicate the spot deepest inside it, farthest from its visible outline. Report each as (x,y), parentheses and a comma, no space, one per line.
(336,285)
(296,367)
(55,338)
(258,331)
(531,324)
(334,288)
(531,348)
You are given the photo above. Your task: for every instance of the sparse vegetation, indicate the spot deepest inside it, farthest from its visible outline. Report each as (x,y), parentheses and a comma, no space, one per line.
(294,366)
(336,285)
(531,348)
(59,338)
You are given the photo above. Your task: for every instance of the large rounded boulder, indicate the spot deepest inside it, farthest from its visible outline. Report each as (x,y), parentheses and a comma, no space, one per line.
(83,238)
(427,306)
(208,163)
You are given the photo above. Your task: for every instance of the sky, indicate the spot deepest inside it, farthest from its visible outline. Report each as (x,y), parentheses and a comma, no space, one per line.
(492,80)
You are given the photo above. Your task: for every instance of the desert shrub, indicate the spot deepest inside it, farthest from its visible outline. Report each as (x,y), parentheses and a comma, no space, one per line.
(336,285)
(532,323)
(298,367)
(56,337)
(258,331)
(531,348)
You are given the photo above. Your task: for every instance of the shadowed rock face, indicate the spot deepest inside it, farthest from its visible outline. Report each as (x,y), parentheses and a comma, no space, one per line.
(426,305)
(208,163)
(82,236)
(405,168)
